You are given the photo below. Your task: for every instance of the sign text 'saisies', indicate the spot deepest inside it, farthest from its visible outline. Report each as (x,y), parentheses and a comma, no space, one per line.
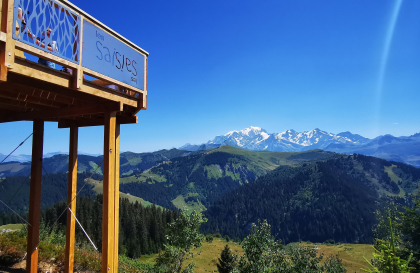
(107,55)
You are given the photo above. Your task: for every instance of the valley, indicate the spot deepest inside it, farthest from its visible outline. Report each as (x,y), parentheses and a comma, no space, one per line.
(312,195)
(234,187)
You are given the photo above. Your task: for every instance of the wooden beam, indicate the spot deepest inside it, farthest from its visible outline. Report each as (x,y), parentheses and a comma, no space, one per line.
(117,195)
(108,217)
(71,201)
(30,100)
(111,80)
(44,55)
(8,110)
(3,19)
(35,197)
(48,79)
(95,122)
(34,83)
(38,93)
(142,105)
(3,67)
(11,108)
(40,72)
(2,36)
(108,93)
(19,104)
(64,112)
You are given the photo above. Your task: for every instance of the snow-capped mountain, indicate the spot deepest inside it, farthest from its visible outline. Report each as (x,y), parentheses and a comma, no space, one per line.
(249,138)
(403,149)
(256,138)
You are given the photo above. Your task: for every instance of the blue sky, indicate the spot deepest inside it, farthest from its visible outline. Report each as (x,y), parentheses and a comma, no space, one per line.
(217,66)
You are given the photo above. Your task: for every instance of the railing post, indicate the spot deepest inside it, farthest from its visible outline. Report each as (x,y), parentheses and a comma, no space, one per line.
(117,194)
(78,73)
(71,200)
(35,197)
(108,219)
(7,49)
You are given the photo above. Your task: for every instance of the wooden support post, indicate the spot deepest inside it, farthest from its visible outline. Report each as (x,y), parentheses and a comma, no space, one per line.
(71,200)
(7,50)
(35,197)
(78,73)
(116,195)
(108,219)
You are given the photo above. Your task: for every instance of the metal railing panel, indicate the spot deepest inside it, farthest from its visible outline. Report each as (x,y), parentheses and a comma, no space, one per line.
(49,26)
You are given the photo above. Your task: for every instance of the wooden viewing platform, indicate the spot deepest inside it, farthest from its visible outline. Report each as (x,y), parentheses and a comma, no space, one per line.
(99,78)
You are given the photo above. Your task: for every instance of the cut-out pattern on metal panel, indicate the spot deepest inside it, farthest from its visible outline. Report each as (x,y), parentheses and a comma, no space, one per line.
(47,25)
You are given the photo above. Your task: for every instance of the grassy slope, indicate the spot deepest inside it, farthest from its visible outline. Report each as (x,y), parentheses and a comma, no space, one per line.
(13,167)
(179,203)
(391,174)
(394,178)
(98,188)
(11,226)
(350,254)
(142,178)
(94,167)
(264,159)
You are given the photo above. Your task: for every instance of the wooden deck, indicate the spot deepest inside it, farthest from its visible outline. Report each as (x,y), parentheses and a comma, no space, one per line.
(34,92)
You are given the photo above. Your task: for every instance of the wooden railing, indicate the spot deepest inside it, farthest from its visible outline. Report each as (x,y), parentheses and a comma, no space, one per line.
(60,33)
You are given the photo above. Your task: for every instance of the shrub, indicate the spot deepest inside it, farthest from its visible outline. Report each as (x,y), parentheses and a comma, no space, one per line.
(387,260)
(10,256)
(329,242)
(227,261)
(183,236)
(264,254)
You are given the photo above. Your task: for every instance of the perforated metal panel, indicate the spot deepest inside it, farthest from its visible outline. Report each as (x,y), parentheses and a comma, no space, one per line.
(43,15)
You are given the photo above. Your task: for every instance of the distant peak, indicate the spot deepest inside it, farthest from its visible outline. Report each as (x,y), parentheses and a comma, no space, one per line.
(254,128)
(246,131)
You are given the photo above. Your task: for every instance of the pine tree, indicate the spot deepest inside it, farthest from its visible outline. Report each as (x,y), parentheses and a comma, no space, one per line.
(227,261)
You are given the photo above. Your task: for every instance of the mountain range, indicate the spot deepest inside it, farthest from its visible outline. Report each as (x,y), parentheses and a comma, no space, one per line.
(309,195)
(26,158)
(404,149)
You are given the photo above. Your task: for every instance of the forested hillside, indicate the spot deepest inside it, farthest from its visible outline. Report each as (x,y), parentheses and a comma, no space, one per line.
(313,195)
(142,229)
(333,199)
(14,190)
(197,180)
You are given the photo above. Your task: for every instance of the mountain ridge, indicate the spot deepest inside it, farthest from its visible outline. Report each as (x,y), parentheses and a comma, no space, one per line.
(404,149)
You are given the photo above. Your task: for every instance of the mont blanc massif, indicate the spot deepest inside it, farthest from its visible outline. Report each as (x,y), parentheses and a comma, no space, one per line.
(404,149)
